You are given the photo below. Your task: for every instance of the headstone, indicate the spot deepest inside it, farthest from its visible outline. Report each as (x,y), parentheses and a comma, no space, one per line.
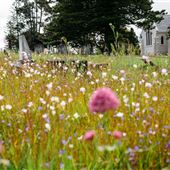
(24,50)
(62,49)
(86,50)
(39,48)
(25,56)
(46,51)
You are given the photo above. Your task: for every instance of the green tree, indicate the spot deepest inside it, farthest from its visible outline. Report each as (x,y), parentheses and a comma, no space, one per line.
(68,20)
(11,37)
(28,17)
(79,21)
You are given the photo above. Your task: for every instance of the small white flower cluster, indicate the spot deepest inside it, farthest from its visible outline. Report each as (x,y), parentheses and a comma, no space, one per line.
(114,77)
(7,107)
(89,74)
(164,72)
(43,101)
(63,104)
(49,86)
(82,89)
(55,99)
(1,97)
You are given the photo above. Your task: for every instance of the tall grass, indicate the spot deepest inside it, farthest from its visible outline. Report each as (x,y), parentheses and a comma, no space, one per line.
(44,115)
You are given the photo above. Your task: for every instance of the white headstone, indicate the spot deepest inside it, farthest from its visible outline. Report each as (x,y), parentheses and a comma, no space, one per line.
(24,50)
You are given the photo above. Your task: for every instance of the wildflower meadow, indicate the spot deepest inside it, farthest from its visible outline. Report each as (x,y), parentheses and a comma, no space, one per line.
(109,118)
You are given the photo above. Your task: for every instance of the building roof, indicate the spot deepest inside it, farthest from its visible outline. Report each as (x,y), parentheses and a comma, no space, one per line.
(164,24)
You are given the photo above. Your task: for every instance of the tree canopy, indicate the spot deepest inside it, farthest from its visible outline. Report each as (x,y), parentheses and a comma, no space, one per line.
(82,22)
(28,17)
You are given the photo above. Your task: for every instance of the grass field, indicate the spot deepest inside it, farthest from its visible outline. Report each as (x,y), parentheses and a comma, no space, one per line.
(44,116)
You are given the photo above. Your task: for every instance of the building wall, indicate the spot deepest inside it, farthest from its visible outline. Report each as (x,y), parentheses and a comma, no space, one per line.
(169,46)
(148,49)
(161,48)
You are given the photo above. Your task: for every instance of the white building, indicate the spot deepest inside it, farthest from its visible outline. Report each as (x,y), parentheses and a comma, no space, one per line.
(155,41)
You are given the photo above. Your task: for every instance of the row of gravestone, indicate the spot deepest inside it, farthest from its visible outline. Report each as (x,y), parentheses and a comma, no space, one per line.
(25,52)
(25,56)
(75,64)
(78,65)
(67,49)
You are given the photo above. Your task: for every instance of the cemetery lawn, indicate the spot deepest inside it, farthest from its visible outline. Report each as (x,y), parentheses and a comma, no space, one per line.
(44,115)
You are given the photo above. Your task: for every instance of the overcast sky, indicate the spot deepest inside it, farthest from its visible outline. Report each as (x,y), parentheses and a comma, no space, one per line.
(5,8)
